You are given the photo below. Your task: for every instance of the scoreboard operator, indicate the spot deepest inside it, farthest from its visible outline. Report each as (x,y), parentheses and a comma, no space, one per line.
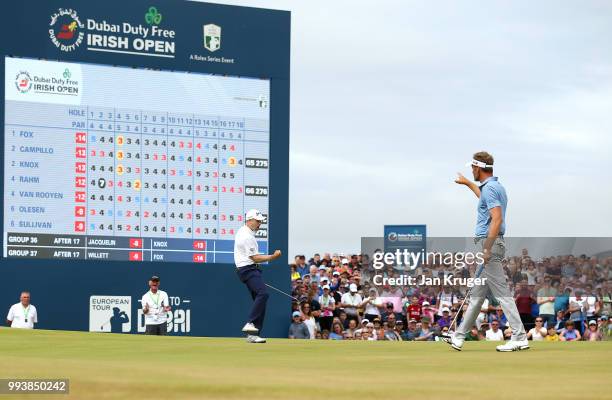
(247,259)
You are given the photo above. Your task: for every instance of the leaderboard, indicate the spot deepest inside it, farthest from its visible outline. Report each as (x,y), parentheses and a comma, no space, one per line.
(111,163)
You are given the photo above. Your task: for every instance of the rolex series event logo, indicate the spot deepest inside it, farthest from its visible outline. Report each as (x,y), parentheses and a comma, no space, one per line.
(212,37)
(212,43)
(66,30)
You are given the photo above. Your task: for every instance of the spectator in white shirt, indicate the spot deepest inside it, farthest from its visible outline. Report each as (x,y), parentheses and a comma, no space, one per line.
(350,301)
(538,332)
(494,333)
(23,314)
(155,306)
(372,305)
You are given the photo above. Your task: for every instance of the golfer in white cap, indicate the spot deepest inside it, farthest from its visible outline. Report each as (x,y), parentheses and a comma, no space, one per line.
(247,259)
(490,230)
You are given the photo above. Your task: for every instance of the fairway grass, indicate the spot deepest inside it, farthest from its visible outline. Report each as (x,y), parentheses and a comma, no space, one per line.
(114,366)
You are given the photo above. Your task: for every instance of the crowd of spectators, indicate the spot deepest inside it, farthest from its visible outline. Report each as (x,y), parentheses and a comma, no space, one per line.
(559,298)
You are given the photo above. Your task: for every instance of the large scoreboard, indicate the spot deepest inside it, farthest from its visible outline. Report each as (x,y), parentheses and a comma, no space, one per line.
(165,173)
(136,135)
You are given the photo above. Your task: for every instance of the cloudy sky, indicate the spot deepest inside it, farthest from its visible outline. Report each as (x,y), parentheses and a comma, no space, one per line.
(389,99)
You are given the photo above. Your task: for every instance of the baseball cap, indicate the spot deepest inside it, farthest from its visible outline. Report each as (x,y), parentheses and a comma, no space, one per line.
(296,314)
(322,268)
(326,287)
(254,214)
(445,309)
(345,261)
(353,287)
(154,278)
(365,321)
(604,317)
(592,322)
(336,273)
(425,303)
(412,321)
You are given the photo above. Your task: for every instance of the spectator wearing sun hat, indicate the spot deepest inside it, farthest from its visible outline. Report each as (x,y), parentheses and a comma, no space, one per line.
(592,334)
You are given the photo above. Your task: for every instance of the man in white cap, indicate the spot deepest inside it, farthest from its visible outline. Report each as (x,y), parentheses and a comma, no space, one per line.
(350,301)
(489,236)
(247,259)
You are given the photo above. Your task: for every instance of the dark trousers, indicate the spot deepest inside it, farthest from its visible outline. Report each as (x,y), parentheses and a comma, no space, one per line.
(251,276)
(159,329)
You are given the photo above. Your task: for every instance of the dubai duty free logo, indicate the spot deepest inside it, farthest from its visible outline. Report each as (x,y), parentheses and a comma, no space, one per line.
(66,30)
(23,82)
(212,37)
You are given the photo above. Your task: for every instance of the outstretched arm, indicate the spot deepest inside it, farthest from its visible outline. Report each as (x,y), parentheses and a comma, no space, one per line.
(462,180)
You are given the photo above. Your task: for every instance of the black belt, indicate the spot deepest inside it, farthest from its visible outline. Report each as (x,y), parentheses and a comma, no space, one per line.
(255,266)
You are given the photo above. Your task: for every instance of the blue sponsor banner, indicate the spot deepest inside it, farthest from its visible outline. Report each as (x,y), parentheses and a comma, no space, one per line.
(405,237)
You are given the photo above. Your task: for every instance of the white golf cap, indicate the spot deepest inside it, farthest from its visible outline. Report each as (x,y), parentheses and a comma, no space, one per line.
(254,214)
(353,287)
(425,303)
(445,309)
(477,163)
(345,261)
(326,287)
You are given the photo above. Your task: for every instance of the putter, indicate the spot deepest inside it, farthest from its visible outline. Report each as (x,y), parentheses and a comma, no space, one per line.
(467,296)
(280,291)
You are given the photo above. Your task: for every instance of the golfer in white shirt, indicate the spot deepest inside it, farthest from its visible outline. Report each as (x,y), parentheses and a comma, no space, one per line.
(247,259)
(23,314)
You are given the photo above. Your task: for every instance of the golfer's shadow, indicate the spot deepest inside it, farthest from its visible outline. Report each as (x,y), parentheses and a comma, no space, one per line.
(117,320)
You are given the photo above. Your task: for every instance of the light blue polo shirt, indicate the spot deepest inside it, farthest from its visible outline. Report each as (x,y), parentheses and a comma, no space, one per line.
(492,194)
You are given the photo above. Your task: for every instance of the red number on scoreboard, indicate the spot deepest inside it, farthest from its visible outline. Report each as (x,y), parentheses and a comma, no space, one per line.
(80,137)
(79,211)
(79,226)
(81,152)
(199,258)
